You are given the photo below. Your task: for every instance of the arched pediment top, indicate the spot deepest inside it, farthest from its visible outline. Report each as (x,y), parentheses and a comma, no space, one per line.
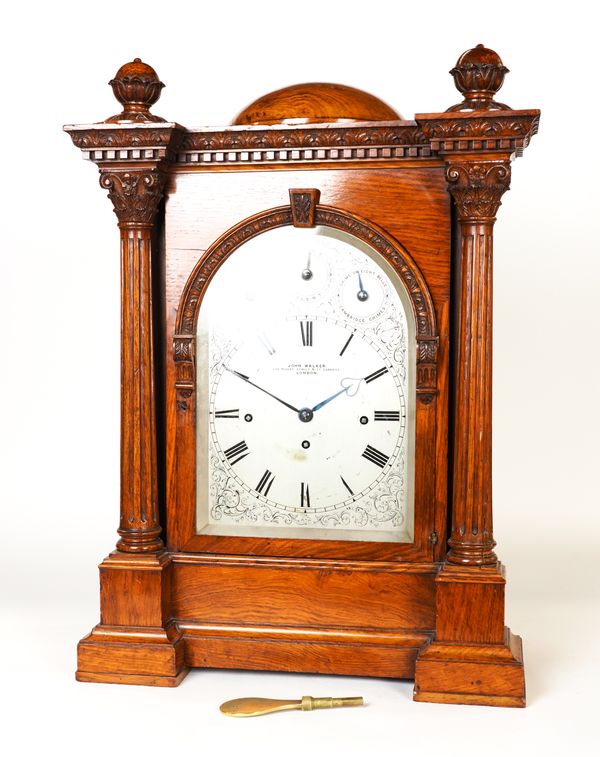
(325,215)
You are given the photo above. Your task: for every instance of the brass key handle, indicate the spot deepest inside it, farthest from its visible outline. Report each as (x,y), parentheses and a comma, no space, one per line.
(248,707)
(324,703)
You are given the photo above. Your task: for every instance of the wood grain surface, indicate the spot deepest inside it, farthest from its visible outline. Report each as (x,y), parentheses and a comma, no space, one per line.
(315,103)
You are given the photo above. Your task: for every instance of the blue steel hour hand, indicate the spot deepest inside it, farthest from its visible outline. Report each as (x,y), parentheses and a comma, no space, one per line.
(350,389)
(247,380)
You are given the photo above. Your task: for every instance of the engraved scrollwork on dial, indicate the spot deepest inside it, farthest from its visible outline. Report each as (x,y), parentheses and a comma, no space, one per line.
(387,501)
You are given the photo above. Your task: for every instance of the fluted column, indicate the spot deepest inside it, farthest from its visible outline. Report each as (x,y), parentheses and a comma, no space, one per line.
(477,188)
(135,195)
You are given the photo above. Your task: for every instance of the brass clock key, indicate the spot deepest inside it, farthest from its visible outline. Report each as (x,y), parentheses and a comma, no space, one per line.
(248,707)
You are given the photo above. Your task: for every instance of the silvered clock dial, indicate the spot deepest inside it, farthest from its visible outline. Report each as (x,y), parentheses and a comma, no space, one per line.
(306,395)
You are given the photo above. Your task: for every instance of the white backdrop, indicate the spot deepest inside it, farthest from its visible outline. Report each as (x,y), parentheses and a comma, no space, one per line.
(59,452)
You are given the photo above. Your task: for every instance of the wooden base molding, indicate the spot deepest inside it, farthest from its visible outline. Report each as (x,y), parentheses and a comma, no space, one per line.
(135,642)
(303,650)
(146,656)
(487,674)
(459,654)
(132,680)
(474,659)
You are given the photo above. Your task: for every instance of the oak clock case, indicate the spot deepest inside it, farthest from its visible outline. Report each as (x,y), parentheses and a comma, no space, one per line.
(306,389)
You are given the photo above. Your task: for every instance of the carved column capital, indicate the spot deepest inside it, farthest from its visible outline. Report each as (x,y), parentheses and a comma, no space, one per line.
(477,188)
(135,194)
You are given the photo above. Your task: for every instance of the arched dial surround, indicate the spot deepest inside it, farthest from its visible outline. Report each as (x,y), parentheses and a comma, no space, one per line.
(305,355)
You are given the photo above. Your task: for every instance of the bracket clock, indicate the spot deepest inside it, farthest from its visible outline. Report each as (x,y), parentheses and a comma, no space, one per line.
(306,380)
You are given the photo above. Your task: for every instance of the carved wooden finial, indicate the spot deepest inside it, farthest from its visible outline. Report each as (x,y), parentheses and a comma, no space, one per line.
(137,87)
(478,75)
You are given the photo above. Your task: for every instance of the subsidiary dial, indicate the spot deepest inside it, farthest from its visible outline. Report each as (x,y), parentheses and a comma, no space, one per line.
(364,295)
(307,268)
